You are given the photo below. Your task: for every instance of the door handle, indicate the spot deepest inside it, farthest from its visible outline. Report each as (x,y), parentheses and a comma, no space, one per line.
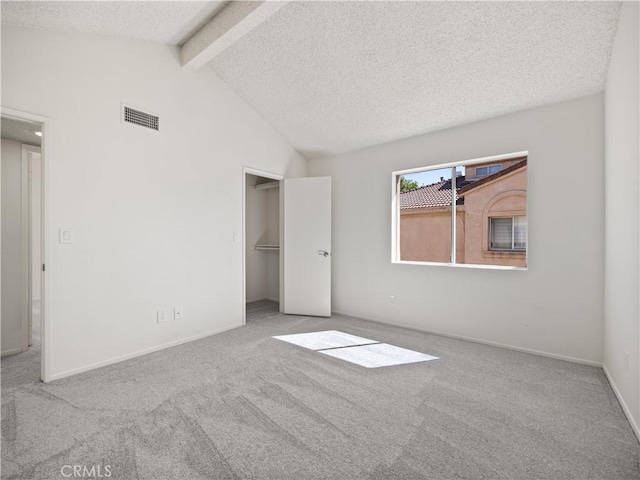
(323,253)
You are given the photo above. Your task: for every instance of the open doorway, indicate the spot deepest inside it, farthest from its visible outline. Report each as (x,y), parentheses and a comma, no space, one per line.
(22,246)
(262,234)
(286,245)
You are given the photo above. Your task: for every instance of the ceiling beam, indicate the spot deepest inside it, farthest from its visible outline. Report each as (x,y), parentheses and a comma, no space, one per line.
(232,23)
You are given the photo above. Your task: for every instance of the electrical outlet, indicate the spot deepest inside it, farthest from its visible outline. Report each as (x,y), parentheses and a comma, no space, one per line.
(392,299)
(177,313)
(162,316)
(626,361)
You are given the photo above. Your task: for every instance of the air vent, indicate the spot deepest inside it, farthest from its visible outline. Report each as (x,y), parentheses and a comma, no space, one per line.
(138,117)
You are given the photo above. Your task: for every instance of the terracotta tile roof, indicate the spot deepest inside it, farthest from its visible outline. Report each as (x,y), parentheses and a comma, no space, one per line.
(434,195)
(439,194)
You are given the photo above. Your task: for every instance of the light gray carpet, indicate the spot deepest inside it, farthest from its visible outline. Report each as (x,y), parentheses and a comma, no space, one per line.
(24,368)
(244,405)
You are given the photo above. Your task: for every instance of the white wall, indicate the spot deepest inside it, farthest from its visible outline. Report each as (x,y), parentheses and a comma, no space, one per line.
(11,246)
(153,212)
(556,306)
(622,286)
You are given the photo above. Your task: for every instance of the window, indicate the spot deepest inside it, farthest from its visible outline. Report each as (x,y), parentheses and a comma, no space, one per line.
(461,213)
(508,233)
(488,170)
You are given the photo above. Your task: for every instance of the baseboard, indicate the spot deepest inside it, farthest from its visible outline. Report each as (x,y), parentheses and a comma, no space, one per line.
(260,299)
(122,358)
(478,340)
(623,404)
(13,351)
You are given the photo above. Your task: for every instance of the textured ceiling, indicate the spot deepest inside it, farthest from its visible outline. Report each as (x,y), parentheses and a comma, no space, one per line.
(338,76)
(19,131)
(157,21)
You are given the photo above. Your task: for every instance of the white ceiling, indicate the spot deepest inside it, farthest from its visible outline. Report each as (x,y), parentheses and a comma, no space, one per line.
(338,76)
(20,131)
(170,23)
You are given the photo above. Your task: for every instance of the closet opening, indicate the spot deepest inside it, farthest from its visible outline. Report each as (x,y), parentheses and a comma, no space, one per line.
(262,243)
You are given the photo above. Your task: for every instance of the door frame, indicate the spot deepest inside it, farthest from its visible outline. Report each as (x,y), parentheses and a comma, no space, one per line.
(27,248)
(274,176)
(46,283)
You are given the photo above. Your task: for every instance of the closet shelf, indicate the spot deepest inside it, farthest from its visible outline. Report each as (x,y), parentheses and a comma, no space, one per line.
(262,186)
(274,248)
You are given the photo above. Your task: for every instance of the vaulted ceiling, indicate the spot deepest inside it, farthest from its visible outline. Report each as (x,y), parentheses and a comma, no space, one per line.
(338,76)
(168,22)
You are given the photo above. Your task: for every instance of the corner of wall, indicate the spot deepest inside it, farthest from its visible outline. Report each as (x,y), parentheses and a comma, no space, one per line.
(621,339)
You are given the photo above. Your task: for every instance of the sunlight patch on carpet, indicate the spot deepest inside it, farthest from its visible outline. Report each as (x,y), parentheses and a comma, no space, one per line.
(351,348)
(378,355)
(323,340)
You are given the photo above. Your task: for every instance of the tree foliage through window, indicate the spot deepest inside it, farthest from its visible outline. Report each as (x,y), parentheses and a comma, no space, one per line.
(406,184)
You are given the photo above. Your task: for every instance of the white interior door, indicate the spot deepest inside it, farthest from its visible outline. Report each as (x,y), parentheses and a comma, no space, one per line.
(306,246)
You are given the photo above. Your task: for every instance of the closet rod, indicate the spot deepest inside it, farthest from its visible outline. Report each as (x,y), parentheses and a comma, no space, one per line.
(267,247)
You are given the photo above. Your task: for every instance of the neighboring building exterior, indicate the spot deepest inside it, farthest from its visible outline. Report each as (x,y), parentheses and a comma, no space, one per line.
(425,224)
(491,217)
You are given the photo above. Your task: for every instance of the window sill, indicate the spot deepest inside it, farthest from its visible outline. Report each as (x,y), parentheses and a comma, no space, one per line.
(502,253)
(460,265)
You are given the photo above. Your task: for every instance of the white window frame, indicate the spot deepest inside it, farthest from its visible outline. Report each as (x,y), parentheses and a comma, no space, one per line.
(395,211)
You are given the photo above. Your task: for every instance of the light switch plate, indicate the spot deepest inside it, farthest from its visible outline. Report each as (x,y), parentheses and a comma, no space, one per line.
(177,313)
(65,235)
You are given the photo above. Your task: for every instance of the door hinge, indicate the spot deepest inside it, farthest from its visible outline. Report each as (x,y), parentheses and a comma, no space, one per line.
(43,269)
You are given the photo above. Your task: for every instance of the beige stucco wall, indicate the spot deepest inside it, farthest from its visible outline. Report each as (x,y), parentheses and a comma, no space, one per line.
(470,171)
(504,197)
(425,234)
